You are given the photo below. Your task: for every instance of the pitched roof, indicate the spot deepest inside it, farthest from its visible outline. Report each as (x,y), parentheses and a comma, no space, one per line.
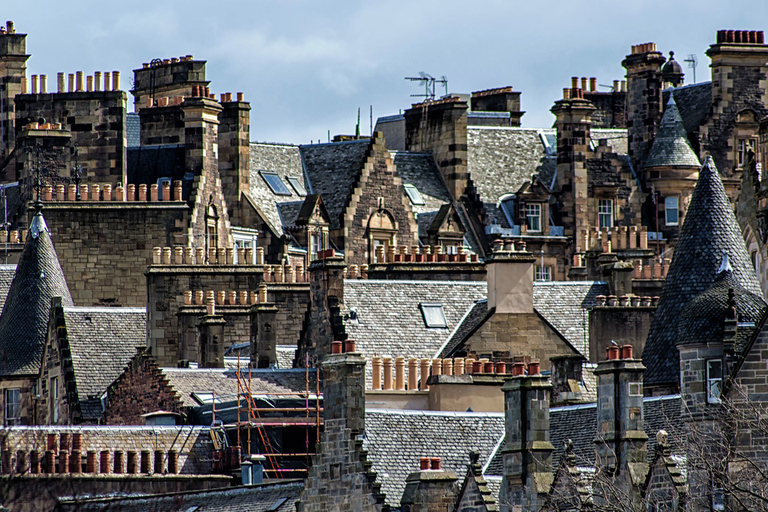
(694,103)
(24,320)
(273,497)
(390,320)
(500,160)
(617,138)
(102,341)
(6,278)
(186,381)
(288,213)
(671,146)
(421,171)
(397,439)
(333,170)
(563,304)
(579,424)
(709,229)
(284,160)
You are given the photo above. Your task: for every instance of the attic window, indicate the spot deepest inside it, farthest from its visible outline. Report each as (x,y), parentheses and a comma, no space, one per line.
(297,185)
(275,183)
(434,316)
(413,194)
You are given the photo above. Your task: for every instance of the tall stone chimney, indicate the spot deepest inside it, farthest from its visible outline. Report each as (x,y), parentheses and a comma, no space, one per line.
(429,490)
(621,441)
(211,329)
(234,155)
(13,68)
(527,450)
(263,335)
(510,280)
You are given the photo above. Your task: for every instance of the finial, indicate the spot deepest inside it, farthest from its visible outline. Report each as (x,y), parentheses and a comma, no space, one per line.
(671,55)
(725,265)
(671,99)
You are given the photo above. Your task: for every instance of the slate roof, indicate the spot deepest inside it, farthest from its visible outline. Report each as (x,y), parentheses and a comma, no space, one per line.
(421,171)
(147,164)
(579,424)
(102,341)
(694,103)
(285,160)
(671,146)
(288,213)
(333,170)
(709,229)
(6,278)
(397,439)
(133,129)
(255,498)
(186,381)
(702,319)
(24,319)
(616,138)
(564,304)
(389,318)
(500,160)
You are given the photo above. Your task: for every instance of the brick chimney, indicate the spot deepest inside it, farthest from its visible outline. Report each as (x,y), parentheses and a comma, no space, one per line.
(211,329)
(429,490)
(644,106)
(510,280)
(527,451)
(263,335)
(621,441)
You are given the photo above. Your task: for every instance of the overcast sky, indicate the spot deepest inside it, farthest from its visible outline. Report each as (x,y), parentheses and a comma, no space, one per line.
(306,66)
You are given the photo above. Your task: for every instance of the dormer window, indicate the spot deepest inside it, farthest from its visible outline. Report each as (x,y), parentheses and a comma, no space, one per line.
(533,216)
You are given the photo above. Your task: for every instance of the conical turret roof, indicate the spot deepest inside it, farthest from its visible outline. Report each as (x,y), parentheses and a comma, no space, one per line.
(24,320)
(671,147)
(709,230)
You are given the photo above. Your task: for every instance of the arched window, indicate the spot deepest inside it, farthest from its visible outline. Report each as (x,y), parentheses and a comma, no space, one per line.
(382,229)
(211,228)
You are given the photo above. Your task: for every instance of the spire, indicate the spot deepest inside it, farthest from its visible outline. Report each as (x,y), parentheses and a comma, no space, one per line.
(671,147)
(709,230)
(24,320)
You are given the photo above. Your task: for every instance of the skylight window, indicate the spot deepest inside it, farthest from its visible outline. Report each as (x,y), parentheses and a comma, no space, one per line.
(297,185)
(434,316)
(413,194)
(275,183)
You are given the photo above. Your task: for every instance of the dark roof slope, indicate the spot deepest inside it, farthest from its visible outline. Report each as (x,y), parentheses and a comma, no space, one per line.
(24,320)
(670,146)
(694,103)
(133,129)
(6,278)
(710,229)
(397,439)
(102,341)
(272,497)
(333,170)
(420,170)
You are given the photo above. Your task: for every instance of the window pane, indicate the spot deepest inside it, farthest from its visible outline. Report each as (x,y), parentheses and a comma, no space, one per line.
(297,185)
(413,194)
(605,213)
(434,315)
(543,273)
(275,183)
(533,217)
(671,211)
(714,380)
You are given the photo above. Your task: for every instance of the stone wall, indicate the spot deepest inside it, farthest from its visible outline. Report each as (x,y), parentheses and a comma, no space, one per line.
(622,324)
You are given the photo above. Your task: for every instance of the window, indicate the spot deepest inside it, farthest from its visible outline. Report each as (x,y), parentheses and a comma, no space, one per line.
(160,183)
(714,380)
(543,273)
(211,229)
(53,395)
(413,194)
(12,406)
(297,185)
(671,214)
(605,213)
(275,183)
(508,207)
(244,238)
(433,315)
(718,499)
(315,244)
(744,146)
(376,244)
(533,217)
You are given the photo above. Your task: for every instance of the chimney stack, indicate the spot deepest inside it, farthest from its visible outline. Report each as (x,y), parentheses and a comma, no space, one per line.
(263,336)
(430,489)
(211,329)
(510,281)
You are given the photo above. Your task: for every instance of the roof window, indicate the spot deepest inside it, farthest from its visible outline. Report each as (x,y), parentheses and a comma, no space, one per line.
(413,194)
(433,313)
(275,183)
(297,185)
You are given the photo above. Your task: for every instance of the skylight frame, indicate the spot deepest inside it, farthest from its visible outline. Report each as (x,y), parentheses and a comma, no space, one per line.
(429,311)
(297,186)
(414,195)
(273,185)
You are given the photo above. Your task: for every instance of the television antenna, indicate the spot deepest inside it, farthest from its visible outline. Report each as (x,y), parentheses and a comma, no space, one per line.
(429,83)
(692,61)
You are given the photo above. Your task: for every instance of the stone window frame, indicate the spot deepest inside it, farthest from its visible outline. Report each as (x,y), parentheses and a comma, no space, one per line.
(388,236)
(668,209)
(605,211)
(533,211)
(714,380)
(12,406)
